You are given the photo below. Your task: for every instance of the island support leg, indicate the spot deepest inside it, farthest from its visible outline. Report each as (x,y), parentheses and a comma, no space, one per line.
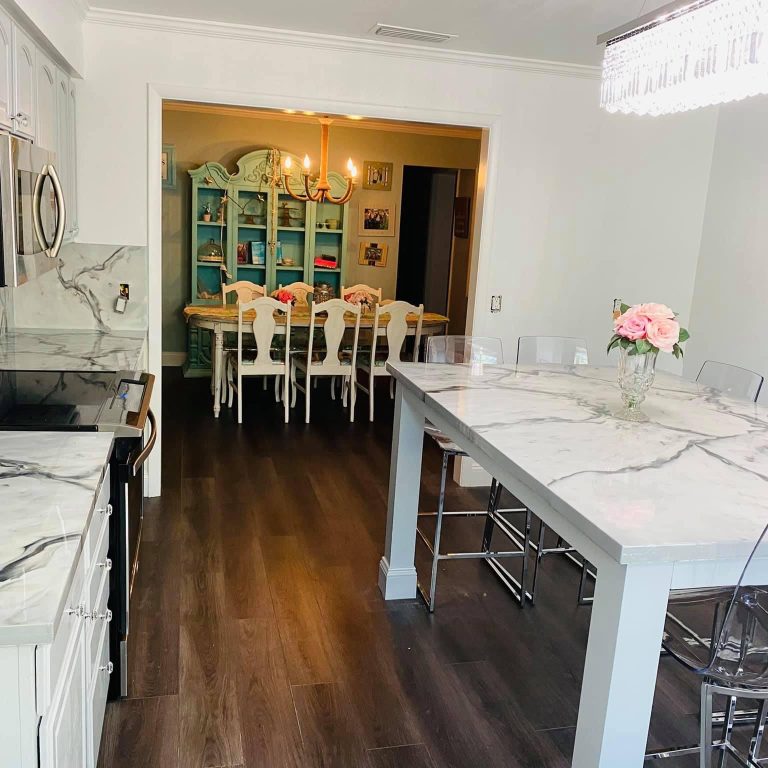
(397,573)
(218,363)
(621,666)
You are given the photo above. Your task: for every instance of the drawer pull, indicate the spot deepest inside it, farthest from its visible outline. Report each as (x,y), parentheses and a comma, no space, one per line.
(106,565)
(106,616)
(106,510)
(108,668)
(78,612)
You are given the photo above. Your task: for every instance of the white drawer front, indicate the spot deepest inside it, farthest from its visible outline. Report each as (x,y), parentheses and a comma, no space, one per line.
(99,620)
(99,520)
(97,695)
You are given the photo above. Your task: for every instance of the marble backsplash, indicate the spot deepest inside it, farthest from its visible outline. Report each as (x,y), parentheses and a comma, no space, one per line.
(82,291)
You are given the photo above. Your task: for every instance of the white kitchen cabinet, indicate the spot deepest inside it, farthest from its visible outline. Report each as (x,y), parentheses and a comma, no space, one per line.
(6,70)
(47,104)
(25,82)
(64,160)
(54,695)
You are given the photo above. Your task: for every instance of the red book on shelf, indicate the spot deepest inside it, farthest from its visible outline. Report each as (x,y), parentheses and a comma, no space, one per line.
(330,262)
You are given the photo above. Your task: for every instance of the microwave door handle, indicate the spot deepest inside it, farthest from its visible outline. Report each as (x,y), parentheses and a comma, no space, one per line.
(61,218)
(37,220)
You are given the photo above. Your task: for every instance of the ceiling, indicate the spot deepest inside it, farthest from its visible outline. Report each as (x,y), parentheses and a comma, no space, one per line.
(554,30)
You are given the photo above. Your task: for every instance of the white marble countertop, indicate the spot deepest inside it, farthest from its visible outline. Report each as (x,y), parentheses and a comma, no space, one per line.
(36,349)
(689,484)
(48,487)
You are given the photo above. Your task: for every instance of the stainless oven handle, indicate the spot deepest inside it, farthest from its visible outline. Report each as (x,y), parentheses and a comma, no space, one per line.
(138,462)
(61,218)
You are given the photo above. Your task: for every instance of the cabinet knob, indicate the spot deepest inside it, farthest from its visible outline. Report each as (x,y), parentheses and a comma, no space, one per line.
(108,668)
(79,611)
(20,117)
(106,565)
(106,510)
(107,616)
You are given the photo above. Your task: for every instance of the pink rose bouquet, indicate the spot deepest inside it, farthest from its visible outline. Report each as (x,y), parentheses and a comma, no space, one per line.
(647,328)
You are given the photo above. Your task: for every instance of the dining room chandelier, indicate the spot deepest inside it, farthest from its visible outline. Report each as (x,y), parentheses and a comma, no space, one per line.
(686,55)
(318,189)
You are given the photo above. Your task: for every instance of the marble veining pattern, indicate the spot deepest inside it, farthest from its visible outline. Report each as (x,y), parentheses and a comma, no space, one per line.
(691,483)
(52,350)
(81,291)
(48,487)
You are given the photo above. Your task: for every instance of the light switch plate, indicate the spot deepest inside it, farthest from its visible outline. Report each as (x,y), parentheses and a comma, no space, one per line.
(495,303)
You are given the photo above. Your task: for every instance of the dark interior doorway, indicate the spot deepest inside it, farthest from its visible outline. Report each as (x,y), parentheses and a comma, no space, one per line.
(426,236)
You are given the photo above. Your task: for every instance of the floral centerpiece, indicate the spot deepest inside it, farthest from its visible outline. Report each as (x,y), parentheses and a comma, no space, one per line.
(284,296)
(641,332)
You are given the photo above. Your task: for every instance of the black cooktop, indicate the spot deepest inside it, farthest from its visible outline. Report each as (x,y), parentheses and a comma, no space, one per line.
(53,400)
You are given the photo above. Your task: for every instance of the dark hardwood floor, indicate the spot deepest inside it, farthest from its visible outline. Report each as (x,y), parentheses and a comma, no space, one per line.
(260,639)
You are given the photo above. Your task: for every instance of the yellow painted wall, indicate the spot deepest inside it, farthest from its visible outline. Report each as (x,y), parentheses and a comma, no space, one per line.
(203,136)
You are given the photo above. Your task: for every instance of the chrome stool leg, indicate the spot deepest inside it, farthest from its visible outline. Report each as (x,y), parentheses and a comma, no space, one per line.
(438,532)
(757,737)
(705,739)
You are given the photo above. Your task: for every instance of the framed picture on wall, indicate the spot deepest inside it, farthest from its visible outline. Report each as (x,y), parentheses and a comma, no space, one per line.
(168,166)
(373,254)
(377,220)
(377,175)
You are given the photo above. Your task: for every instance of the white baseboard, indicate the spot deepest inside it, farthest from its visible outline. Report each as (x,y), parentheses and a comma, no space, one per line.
(396,583)
(174,359)
(469,474)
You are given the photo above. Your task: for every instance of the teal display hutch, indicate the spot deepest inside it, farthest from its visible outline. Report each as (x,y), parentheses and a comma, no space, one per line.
(262,233)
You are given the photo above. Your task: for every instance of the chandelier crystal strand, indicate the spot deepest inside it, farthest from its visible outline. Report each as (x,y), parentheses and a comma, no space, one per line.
(712,52)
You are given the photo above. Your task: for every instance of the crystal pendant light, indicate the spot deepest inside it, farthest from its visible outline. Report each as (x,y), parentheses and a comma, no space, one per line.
(686,55)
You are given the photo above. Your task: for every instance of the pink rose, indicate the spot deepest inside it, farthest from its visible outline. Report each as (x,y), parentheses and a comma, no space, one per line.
(655,311)
(631,325)
(663,333)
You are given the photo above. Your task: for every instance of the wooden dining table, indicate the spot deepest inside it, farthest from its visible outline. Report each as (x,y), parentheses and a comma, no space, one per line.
(223,319)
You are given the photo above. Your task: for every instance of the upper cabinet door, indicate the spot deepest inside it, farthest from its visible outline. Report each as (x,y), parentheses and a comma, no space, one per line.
(73,225)
(24,55)
(47,120)
(6,71)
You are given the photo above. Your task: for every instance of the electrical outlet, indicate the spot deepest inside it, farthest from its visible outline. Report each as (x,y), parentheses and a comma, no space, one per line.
(495,303)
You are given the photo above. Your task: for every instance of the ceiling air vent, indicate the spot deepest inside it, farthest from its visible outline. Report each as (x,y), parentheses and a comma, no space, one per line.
(405,33)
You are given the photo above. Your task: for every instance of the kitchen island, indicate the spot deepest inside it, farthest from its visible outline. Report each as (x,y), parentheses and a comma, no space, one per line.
(676,502)
(54,586)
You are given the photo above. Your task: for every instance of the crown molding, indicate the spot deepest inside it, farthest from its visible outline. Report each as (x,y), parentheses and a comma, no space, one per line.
(369,124)
(81,8)
(230,31)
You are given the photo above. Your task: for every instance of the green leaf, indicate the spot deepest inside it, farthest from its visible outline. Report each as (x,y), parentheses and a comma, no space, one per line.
(677,351)
(643,346)
(624,308)
(632,350)
(684,336)
(625,342)
(615,339)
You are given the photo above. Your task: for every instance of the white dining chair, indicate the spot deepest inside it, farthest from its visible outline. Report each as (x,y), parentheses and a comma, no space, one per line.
(264,360)
(373,362)
(349,290)
(244,290)
(731,380)
(301,292)
(331,361)
(554,350)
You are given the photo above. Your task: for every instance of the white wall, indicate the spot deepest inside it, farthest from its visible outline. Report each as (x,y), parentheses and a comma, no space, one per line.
(581,207)
(730,314)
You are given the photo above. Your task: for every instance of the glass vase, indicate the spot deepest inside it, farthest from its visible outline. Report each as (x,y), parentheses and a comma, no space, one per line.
(636,375)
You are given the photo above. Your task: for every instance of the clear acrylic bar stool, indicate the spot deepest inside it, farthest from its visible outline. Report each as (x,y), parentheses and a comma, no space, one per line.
(732,661)
(731,380)
(555,350)
(473,350)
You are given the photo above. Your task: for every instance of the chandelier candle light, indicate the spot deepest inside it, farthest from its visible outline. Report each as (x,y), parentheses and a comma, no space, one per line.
(640,332)
(686,55)
(322,187)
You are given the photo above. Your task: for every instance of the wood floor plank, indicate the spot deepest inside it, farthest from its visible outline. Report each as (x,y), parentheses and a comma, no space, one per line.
(411,756)
(270,732)
(141,732)
(329,727)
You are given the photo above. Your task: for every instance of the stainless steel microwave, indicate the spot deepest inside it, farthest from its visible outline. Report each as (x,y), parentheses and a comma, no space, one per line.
(32,211)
